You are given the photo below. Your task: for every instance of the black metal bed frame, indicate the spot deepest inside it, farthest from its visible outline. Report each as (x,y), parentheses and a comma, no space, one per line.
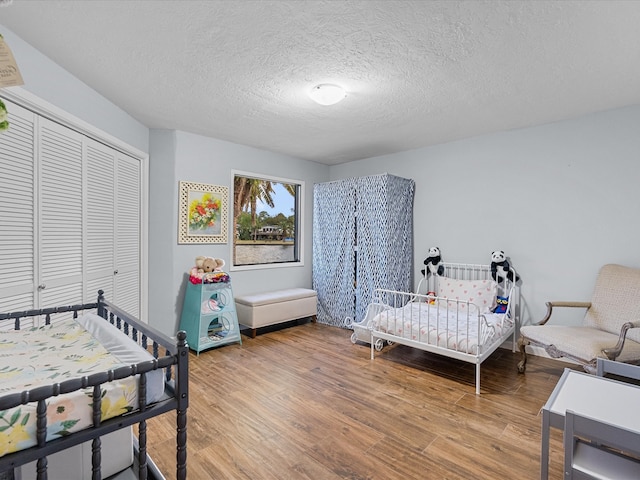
(176,353)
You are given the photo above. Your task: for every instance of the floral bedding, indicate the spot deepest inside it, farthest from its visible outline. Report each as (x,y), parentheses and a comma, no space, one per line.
(50,354)
(444,327)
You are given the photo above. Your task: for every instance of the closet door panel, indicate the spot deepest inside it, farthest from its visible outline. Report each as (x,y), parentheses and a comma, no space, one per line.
(60,259)
(17,204)
(100,228)
(127,252)
(70,217)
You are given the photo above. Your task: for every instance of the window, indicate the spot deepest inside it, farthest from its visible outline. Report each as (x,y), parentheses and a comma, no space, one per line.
(267,221)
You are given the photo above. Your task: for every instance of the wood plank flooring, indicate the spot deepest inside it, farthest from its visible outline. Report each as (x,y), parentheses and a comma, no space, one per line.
(304,403)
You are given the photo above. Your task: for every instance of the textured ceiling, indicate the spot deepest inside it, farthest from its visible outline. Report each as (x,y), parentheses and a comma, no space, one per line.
(417,73)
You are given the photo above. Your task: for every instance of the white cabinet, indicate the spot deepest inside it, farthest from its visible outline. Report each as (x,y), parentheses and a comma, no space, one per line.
(69,217)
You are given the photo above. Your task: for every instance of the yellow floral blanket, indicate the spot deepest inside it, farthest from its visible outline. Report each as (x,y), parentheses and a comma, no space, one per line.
(51,354)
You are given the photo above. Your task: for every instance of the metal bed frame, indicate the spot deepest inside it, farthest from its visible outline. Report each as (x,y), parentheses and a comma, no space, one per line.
(384,298)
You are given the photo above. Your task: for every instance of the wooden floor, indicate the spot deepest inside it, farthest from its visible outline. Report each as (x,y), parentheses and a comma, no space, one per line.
(305,403)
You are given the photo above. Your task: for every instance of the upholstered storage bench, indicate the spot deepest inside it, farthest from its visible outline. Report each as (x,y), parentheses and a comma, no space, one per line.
(270,308)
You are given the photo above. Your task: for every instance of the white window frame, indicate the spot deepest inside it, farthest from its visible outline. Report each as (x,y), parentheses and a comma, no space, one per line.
(299,220)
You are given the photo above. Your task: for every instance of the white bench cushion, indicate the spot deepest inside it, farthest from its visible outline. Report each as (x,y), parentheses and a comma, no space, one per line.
(269,308)
(277,296)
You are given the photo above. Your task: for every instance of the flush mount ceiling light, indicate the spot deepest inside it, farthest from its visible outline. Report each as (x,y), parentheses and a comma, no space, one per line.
(327,94)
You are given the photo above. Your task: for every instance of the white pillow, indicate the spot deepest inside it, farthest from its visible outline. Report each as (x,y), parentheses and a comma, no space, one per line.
(481,293)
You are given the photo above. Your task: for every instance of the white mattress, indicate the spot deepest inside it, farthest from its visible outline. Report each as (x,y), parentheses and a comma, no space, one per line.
(447,328)
(50,354)
(125,349)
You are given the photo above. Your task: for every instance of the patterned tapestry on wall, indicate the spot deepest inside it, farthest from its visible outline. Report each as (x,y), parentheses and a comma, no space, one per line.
(362,240)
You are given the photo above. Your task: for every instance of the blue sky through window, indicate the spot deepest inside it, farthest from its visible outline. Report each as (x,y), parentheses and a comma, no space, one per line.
(283,201)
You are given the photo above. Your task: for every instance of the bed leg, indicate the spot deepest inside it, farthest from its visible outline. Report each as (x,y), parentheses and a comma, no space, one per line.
(142,449)
(181,440)
(477,379)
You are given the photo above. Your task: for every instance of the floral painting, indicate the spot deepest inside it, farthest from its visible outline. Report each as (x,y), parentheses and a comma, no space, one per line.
(203,213)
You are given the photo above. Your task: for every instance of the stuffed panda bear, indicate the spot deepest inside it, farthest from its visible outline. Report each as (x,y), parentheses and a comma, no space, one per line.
(433,263)
(500,267)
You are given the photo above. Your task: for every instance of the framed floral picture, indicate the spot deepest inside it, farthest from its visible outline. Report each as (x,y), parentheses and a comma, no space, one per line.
(203,213)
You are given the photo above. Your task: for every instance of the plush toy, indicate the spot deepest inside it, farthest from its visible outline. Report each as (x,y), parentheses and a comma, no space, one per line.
(208,270)
(209,264)
(500,268)
(501,304)
(431,298)
(433,263)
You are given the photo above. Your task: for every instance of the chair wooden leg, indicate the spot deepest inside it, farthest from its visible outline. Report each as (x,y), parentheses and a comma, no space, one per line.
(522,346)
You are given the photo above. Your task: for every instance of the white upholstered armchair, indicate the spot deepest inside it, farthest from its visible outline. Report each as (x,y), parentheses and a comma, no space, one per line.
(608,330)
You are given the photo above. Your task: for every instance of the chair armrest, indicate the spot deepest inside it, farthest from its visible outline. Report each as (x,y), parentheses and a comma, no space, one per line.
(612,353)
(550,306)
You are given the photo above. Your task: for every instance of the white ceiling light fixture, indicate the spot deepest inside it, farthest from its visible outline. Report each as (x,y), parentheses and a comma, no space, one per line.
(327,94)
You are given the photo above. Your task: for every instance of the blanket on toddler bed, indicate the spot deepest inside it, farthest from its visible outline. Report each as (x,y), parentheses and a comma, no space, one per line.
(50,354)
(447,328)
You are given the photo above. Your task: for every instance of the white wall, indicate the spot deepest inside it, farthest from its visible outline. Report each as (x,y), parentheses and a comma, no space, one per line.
(560,199)
(47,80)
(177,156)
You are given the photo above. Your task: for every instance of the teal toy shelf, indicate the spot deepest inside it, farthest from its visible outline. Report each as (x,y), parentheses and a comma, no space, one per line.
(209,316)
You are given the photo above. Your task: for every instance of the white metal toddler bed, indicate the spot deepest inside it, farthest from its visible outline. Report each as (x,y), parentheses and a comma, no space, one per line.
(68,379)
(467,316)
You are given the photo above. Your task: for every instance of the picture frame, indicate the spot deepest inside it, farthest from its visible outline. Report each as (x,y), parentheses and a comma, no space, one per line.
(203,213)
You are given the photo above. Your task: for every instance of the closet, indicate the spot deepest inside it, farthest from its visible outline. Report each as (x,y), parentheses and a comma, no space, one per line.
(69,217)
(362,240)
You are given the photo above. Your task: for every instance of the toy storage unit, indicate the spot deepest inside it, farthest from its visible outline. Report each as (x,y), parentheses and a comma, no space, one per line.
(209,316)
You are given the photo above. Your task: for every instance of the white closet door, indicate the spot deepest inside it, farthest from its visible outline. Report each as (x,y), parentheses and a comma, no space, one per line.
(17,204)
(113,203)
(100,221)
(128,216)
(70,217)
(59,255)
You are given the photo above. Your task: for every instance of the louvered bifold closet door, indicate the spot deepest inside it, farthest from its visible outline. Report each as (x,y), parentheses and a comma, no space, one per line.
(59,256)
(17,204)
(113,206)
(128,207)
(334,243)
(100,221)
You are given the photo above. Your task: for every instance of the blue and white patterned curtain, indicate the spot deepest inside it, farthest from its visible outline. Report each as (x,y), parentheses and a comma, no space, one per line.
(362,240)
(385,237)
(333,252)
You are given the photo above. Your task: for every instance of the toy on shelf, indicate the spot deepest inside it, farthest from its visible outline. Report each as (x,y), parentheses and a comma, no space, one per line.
(208,270)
